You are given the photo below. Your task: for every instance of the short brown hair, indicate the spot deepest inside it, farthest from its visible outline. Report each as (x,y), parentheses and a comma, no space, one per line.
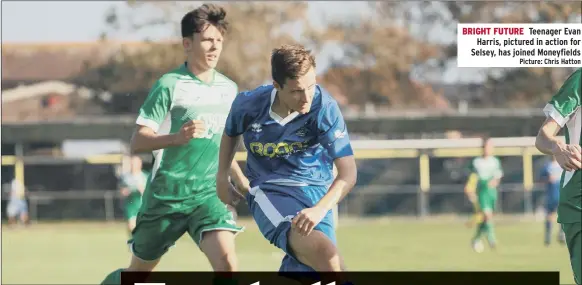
(198,20)
(290,61)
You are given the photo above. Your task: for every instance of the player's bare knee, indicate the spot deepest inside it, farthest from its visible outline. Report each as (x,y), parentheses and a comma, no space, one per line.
(487,215)
(225,262)
(218,246)
(316,250)
(326,258)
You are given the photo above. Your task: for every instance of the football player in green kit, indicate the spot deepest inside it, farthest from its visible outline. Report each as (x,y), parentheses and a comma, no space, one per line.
(564,110)
(181,122)
(487,168)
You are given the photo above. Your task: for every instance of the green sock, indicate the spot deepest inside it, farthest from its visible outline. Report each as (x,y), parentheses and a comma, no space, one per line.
(489,229)
(480,230)
(114,278)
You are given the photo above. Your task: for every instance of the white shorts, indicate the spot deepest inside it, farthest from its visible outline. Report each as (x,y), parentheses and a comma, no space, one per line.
(16,208)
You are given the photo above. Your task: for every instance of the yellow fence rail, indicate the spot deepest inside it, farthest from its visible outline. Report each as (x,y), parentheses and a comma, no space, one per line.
(423,156)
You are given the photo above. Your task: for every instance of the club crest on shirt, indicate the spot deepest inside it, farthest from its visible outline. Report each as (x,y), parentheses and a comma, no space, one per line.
(339,134)
(256,127)
(303,131)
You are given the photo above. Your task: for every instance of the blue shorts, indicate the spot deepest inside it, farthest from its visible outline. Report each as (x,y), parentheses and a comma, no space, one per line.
(273,208)
(16,208)
(551,205)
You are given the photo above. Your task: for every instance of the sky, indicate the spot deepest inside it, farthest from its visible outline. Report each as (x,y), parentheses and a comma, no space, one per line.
(70,21)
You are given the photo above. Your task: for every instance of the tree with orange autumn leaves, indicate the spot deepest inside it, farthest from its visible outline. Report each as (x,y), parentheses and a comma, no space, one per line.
(382,51)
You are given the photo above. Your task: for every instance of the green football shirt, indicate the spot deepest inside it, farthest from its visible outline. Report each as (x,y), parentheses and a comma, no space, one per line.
(486,169)
(184,176)
(564,108)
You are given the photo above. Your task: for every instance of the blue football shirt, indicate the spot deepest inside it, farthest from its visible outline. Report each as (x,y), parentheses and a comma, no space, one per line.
(296,150)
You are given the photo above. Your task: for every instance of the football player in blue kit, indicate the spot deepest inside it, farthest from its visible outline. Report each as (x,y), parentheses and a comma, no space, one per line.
(551,175)
(294,134)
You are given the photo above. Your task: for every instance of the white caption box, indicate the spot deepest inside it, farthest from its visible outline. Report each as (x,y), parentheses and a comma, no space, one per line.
(519,45)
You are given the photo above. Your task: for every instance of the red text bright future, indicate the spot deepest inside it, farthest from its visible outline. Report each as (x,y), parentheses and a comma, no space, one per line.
(514,31)
(496,31)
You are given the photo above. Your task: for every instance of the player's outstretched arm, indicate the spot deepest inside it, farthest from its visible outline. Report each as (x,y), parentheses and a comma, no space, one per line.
(568,156)
(560,110)
(546,140)
(145,139)
(347,174)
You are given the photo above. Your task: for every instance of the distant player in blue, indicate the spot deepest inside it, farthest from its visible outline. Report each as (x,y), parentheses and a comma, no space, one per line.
(294,133)
(551,175)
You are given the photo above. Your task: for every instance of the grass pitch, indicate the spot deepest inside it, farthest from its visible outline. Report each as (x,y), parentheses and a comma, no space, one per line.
(83,253)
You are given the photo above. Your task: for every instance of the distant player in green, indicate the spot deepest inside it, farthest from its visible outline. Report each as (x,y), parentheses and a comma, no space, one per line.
(132,185)
(181,122)
(487,168)
(563,110)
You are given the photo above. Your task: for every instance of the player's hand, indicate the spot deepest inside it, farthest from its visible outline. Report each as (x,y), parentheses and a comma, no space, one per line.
(493,183)
(190,130)
(243,189)
(233,211)
(569,156)
(125,192)
(224,190)
(306,220)
(235,196)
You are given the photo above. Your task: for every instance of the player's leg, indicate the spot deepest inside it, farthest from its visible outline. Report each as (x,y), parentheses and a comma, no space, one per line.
(23,215)
(489,227)
(131,212)
(573,233)
(151,239)
(476,217)
(481,225)
(316,250)
(553,209)
(488,208)
(12,212)
(273,210)
(213,228)
(550,208)
(486,205)
(16,211)
(24,218)
(319,249)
